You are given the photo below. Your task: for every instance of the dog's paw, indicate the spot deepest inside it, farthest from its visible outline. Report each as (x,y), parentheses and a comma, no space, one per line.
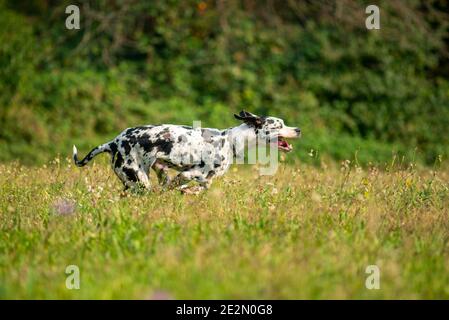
(191,190)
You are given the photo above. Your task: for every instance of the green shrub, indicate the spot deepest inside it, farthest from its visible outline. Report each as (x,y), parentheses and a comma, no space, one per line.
(373,93)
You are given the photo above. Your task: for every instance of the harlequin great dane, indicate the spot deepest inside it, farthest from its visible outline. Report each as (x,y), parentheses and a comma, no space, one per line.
(198,154)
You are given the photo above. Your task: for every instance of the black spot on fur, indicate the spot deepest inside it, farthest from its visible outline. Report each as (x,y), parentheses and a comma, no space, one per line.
(119,161)
(130,174)
(129,161)
(202,164)
(138,129)
(127,146)
(145,143)
(113,147)
(164,146)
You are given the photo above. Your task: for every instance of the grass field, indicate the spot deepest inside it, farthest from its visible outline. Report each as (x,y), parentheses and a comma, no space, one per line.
(307,232)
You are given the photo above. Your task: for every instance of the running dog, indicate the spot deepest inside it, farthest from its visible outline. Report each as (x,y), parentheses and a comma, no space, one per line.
(198,154)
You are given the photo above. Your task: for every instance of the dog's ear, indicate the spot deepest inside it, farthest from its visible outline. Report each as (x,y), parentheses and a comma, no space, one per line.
(239,117)
(245,116)
(249,118)
(248,114)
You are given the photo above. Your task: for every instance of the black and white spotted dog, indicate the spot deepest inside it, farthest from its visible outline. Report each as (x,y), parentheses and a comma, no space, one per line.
(198,154)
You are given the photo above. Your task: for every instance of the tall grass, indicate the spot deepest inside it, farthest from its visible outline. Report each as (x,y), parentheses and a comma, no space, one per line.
(307,232)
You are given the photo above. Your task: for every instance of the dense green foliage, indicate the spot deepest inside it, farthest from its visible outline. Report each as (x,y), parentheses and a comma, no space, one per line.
(351,90)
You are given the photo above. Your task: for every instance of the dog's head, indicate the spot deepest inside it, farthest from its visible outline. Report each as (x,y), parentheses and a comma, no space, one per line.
(270,129)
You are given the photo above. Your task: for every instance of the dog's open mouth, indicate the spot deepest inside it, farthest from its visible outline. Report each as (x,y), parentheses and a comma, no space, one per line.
(283,145)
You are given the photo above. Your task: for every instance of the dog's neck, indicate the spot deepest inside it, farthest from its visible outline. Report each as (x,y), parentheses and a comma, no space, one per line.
(237,136)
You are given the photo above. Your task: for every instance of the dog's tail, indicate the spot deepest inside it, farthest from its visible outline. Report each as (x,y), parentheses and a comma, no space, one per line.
(95,151)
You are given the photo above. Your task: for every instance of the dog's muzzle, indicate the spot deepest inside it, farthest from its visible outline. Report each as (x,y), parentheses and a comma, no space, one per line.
(287,133)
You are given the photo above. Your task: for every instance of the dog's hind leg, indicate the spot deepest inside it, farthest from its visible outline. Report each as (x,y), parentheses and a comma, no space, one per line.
(130,173)
(143,179)
(134,178)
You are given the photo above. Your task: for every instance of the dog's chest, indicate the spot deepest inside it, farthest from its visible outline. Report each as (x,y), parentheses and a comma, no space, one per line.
(203,147)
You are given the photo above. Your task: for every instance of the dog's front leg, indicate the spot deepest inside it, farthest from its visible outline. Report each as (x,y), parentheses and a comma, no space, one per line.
(182,180)
(192,189)
(162,174)
(203,184)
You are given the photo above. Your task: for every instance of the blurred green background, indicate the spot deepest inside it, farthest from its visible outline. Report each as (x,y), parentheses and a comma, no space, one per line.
(354,92)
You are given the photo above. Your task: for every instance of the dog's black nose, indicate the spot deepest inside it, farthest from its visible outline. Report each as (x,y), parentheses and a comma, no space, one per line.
(298,131)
